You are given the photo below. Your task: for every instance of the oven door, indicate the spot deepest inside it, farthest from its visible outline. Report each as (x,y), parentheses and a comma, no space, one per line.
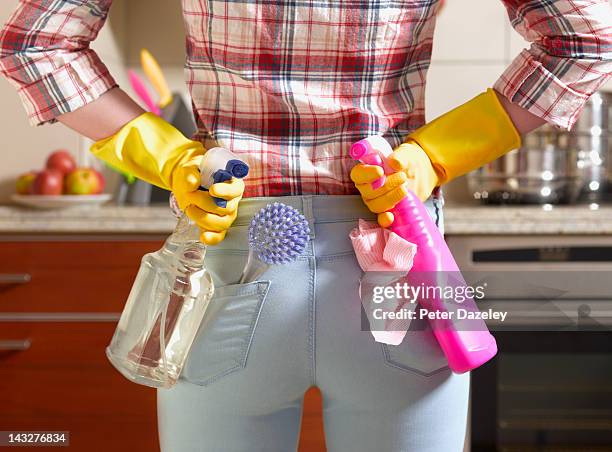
(550,386)
(545,390)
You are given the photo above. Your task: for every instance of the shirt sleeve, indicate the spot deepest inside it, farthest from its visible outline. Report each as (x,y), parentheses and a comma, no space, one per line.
(570,56)
(45,54)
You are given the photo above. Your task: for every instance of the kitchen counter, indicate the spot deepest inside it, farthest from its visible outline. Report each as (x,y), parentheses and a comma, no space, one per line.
(98,220)
(477,220)
(528,220)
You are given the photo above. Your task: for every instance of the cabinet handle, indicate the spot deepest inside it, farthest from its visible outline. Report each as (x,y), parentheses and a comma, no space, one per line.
(15,278)
(16,345)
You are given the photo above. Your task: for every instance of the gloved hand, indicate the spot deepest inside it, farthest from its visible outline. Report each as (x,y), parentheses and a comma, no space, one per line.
(154,151)
(457,142)
(415,172)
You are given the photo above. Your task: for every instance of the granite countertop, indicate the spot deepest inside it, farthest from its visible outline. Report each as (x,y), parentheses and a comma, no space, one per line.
(108,219)
(524,220)
(475,220)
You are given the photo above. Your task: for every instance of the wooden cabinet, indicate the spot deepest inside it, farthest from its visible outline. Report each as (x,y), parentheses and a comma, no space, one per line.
(59,302)
(76,276)
(61,380)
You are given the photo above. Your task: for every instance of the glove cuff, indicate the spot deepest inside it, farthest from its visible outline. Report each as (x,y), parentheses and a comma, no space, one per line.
(149,148)
(420,168)
(467,137)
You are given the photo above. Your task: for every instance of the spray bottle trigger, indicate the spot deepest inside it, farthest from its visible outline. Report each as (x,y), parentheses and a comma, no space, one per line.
(221,176)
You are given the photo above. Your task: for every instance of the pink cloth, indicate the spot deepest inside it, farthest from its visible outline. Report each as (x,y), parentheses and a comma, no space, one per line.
(380,250)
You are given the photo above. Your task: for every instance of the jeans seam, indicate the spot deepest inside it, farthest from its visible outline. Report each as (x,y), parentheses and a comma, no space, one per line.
(312,321)
(262,295)
(389,361)
(242,290)
(342,220)
(336,256)
(219,376)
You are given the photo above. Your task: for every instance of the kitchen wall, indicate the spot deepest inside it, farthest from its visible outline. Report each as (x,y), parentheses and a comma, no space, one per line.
(25,147)
(474,42)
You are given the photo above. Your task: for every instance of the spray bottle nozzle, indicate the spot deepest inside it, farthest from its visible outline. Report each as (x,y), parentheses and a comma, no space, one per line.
(220,165)
(237,168)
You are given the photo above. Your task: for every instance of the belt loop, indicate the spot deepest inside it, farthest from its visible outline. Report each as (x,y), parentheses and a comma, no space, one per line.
(308,213)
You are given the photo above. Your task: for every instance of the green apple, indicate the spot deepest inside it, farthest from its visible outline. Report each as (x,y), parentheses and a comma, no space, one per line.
(24,183)
(84,181)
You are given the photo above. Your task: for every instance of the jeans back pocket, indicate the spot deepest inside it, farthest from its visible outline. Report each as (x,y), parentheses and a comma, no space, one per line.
(222,344)
(418,353)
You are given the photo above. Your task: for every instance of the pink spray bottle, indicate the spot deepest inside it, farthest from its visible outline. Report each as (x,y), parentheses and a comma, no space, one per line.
(464,349)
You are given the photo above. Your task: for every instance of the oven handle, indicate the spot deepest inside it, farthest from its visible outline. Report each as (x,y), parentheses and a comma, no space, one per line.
(575,312)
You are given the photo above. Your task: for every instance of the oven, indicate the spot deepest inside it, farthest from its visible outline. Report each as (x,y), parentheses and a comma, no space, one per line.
(550,386)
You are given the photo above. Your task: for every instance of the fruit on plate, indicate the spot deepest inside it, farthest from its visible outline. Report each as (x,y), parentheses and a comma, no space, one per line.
(48,182)
(101,180)
(84,181)
(61,161)
(61,176)
(25,183)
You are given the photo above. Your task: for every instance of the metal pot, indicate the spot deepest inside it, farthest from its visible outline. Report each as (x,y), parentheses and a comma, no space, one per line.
(554,166)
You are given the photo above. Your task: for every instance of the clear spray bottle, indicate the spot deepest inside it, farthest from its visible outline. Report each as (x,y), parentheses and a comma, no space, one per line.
(170,295)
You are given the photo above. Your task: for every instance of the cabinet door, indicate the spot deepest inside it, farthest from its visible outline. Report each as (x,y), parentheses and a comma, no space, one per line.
(55,376)
(79,276)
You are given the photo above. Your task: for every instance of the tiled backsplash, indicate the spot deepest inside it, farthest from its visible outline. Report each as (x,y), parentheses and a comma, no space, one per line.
(473,44)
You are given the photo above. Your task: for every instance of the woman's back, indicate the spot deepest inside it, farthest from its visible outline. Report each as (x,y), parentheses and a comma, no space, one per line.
(290,85)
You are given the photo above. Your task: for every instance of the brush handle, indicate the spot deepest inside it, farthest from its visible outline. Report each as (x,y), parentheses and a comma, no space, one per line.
(141,91)
(253,268)
(156,77)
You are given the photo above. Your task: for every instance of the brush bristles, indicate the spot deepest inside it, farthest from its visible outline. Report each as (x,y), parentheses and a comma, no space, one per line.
(278,234)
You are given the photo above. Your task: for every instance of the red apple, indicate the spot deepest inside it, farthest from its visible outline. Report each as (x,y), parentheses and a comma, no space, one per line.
(101,180)
(48,182)
(61,161)
(84,181)
(25,183)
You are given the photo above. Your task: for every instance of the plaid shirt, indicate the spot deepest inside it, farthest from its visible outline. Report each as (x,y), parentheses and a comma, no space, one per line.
(289,85)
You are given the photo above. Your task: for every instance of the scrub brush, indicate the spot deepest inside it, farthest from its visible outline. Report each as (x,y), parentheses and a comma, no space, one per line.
(278,234)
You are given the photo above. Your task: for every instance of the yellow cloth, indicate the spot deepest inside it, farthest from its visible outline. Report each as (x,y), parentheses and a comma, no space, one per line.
(153,150)
(457,142)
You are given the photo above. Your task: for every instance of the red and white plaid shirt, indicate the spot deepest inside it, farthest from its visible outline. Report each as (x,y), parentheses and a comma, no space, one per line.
(290,85)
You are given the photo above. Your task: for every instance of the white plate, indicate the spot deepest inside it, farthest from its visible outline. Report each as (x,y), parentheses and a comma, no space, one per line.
(60,201)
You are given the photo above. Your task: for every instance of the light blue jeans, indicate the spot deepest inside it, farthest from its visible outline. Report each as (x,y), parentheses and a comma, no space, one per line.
(263,344)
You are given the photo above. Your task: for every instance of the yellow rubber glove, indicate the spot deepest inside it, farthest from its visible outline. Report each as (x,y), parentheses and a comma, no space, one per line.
(418,176)
(454,144)
(156,152)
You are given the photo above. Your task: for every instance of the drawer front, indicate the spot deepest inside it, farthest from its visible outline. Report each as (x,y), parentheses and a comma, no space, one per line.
(55,376)
(83,276)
